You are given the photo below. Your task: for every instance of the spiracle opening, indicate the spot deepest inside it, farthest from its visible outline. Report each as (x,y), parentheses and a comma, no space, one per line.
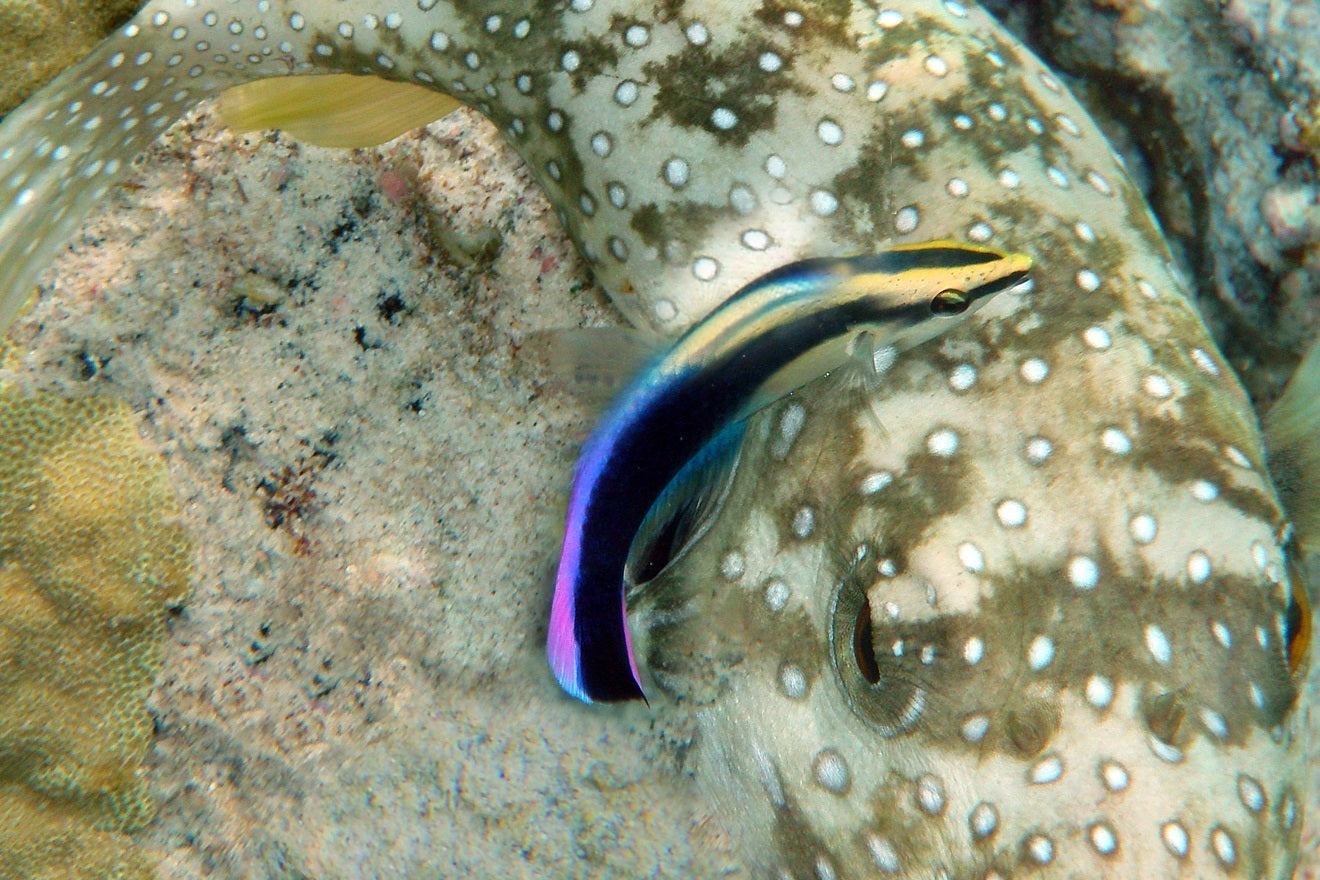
(883,688)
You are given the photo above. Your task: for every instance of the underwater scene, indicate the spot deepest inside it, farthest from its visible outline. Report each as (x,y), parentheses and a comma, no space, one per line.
(786,439)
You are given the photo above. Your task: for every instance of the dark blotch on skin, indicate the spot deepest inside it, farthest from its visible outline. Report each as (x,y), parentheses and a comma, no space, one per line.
(693,82)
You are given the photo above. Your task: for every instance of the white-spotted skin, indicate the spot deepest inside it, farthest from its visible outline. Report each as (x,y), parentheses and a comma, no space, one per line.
(1033,628)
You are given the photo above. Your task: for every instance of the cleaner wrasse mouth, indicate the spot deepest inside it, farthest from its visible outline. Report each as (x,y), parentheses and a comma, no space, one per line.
(668,434)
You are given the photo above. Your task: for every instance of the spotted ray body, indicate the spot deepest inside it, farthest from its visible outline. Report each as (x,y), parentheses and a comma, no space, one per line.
(1034,628)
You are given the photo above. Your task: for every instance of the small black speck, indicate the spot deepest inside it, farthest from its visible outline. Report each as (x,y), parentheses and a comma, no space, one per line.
(388,306)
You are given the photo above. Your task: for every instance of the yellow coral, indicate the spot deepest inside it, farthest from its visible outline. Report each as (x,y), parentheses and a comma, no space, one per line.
(39,38)
(91,557)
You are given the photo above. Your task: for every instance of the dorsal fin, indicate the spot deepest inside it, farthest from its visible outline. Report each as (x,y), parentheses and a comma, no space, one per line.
(593,363)
(334,110)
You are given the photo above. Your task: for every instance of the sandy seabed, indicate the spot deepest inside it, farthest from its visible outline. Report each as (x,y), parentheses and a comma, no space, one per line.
(329,350)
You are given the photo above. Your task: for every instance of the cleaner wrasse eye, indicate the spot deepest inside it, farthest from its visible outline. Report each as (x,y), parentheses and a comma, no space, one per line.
(767,340)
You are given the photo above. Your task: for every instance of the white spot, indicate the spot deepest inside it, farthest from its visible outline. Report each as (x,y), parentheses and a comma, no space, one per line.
(742,199)
(889,18)
(1034,371)
(1097,338)
(733,565)
(962,377)
(601,144)
(943,443)
(823,202)
(1222,843)
(1113,776)
(297,22)
(1204,362)
(1115,441)
(665,310)
(1236,456)
(973,650)
(755,239)
(676,171)
(617,193)
(1084,232)
(770,62)
(1066,123)
(793,18)
(697,34)
(1167,753)
(790,425)
(983,820)
(883,854)
(1204,491)
(930,795)
(975,727)
(1103,839)
(831,771)
(829,132)
(1011,514)
(1143,528)
(1040,848)
(1099,183)
(1256,695)
(1198,567)
(963,122)
(804,521)
(957,187)
(980,231)
(996,112)
(956,9)
(1039,450)
(1046,770)
(1057,177)
(626,93)
(873,483)
(1008,179)
(1222,634)
(971,557)
(705,268)
(793,681)
(842,82)
(1214,722)
(936,66)
(1175,838)
(1083,573)
(570,60)
(637,36)
(776,595)
(723,118)
(906,219)
(775,166)
(1157,386)
(1040,653)
(554,120)
(876,91)
(1157,643)
(25,197)
(1087,280)
(1146,289)
(1099,691)
(912,138)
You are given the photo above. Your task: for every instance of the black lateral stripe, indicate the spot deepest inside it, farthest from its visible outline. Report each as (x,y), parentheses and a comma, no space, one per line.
(939,257)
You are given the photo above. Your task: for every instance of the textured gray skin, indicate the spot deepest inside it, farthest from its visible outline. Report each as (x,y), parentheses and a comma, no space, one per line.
(1062,536)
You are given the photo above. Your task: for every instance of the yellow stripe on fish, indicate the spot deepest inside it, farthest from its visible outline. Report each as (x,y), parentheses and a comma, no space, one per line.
(1033,622)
